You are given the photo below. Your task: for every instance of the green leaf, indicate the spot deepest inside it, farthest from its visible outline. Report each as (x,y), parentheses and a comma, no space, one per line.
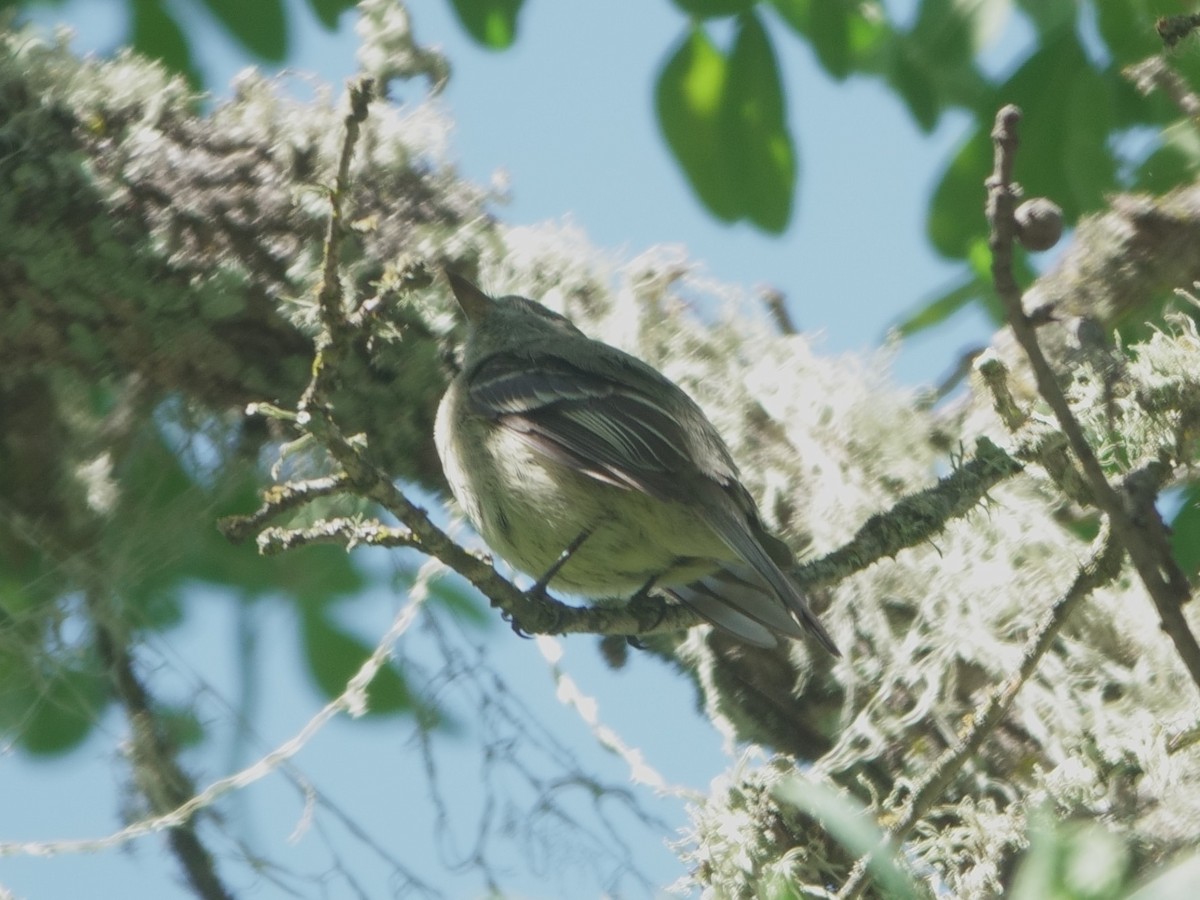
(260,26)
(964,292)
(908,75)
(1072,169)
(1173,163)
(62,711)
(30,583)
(157,34)
(842,37)
(335,655)
(848,823)
(956,211)
(945,32)
(724,119)
(163,534)
(826,24)
(1050,16)
(1185,533)
(831,36)
(1087,160)
(1064,154)
(798,14)
(712,9)
(688,99)
(329,11)
(1127,28)
(492,23)
(754,129)
(1071,861)
(933,67)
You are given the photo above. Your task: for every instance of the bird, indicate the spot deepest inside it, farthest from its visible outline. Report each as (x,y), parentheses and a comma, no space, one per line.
(579,463)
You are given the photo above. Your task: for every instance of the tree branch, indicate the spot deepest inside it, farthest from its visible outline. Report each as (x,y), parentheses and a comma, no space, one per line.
(1135,521)
(915,518)
(160,778)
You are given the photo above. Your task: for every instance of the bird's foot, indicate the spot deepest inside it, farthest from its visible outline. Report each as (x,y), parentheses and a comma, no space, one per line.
(640,603)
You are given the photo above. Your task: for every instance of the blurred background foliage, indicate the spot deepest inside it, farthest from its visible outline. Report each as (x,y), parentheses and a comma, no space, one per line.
(719,97)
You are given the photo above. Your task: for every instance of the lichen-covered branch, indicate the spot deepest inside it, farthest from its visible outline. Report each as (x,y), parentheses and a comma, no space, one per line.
(910,802)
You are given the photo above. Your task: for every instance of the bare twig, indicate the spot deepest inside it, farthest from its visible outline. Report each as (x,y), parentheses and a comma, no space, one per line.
(1135,521)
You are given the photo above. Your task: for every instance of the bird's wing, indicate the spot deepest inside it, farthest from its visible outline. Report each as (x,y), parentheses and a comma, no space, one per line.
(611,431)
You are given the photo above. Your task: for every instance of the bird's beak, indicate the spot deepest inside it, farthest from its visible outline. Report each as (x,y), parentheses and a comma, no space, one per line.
(474,302)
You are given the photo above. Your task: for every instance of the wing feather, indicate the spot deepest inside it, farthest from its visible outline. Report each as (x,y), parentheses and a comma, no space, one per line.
(610,431)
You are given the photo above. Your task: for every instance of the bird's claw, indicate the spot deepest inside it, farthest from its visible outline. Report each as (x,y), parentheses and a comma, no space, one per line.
(515,625)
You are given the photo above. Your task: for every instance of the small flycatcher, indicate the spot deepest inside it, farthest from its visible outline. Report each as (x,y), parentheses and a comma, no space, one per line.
(577,461)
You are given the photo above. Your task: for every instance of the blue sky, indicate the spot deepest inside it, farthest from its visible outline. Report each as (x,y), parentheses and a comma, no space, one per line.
(568,114)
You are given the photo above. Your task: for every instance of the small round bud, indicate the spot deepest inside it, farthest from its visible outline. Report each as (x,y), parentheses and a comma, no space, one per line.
(1039,224)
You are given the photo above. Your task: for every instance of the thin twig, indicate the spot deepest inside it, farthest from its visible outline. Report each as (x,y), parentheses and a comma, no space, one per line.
(351,700)
(1101,567)
(534,613)
(1036,440)
(531,613)
(160,778)
(1156,74)
(1135,521)
(329,299)
(776,304)
(332,343)
(994,374)
(278,499)
(348,533)
(913,520)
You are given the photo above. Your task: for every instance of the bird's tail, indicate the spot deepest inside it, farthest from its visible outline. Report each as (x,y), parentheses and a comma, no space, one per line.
(736,600)
(734,529)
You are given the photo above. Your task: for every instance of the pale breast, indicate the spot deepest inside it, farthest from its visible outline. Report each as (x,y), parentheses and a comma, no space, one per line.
(535,507)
